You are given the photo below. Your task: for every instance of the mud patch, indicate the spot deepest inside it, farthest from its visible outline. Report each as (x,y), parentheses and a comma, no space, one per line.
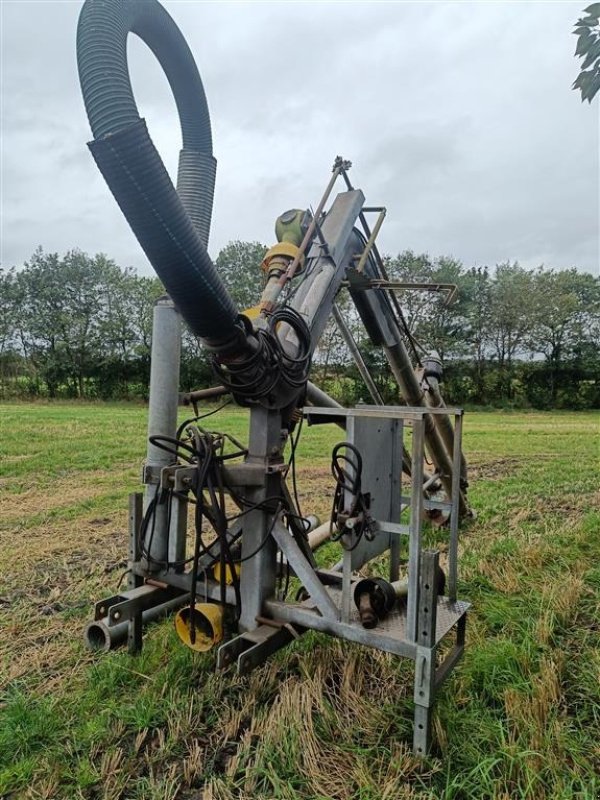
(494,469)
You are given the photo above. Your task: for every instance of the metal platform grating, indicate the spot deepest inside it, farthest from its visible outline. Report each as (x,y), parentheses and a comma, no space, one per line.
(394,625)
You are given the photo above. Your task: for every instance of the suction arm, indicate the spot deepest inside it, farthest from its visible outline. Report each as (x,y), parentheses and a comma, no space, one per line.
(171,226)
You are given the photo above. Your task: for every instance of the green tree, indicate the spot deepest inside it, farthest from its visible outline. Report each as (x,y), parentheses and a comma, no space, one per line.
(8,309)
(238,264)
(510,322)
(445,324)
(564,316)
(587,31)
(437,324)
(9,313)
(126,327)
(476,286)
(409,267)
(62,306)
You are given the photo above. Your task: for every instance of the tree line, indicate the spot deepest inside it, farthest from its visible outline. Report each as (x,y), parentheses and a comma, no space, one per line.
(80,326)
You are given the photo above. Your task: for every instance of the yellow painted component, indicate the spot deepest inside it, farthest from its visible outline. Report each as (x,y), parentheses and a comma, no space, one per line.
(208,624)
(228,575)
(286,249)
(252,313)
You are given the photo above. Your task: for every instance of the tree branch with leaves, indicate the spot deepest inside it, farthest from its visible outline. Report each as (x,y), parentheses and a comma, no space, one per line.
(587,31)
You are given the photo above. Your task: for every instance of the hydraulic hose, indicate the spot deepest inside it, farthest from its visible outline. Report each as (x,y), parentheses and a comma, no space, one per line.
(172,226)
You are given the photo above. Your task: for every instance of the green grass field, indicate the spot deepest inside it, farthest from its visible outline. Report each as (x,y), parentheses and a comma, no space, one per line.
(519,718)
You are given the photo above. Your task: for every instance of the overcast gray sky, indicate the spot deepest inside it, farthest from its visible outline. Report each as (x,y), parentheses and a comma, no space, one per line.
(459,117)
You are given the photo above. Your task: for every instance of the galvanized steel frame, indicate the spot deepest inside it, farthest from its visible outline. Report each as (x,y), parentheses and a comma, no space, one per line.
(267,624)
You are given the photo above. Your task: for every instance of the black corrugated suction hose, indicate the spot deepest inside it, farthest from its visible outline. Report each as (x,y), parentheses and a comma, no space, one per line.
(171,226)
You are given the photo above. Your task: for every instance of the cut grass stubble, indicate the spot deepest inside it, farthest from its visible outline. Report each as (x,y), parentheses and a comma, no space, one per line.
(520,717)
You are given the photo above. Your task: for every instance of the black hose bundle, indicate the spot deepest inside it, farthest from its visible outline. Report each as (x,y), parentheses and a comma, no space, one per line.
(348,482)
(171,226)
(269,374)
(208,451)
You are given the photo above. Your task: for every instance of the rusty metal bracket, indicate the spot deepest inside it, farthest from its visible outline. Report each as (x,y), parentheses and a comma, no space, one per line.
(395,286)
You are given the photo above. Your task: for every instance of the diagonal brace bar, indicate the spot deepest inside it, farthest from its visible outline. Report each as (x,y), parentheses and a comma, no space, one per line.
(305,572)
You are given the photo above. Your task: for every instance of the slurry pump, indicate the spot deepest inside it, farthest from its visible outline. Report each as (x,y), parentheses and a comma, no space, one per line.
(218,536)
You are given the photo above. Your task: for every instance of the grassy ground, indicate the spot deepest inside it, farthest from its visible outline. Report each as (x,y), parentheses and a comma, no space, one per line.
(520,718)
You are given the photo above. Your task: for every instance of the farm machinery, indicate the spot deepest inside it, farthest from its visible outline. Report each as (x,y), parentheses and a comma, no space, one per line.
(218,537)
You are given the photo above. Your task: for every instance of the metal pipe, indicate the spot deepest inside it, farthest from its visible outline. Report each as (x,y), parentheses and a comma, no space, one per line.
(384,284)
(162,420)
(453,543)
(258,573)
(371,240)
(317,397)
(319,535)
(434,399)
(99,635)
(188,398)
(413,396)
(400,588)
(414,540)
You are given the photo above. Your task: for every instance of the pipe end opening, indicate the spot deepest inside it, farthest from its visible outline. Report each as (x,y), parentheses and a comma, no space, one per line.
(96,637)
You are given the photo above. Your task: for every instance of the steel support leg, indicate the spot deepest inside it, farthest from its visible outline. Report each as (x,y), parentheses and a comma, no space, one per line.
(134,626)
(424,694)
(259,551)
(414,544)
(162,419)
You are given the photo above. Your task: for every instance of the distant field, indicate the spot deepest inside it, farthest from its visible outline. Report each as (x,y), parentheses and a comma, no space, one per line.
(520,717)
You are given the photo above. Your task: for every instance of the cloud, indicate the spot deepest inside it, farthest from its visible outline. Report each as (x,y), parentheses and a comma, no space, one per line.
(458,117)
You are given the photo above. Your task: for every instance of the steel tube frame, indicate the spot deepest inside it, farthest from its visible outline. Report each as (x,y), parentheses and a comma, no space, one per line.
(454,513)
(261,479)
(258,575)
(414,544)
(401,365)
(268,624)
(434,399)
(162,421)
(412,393)
(101,635)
